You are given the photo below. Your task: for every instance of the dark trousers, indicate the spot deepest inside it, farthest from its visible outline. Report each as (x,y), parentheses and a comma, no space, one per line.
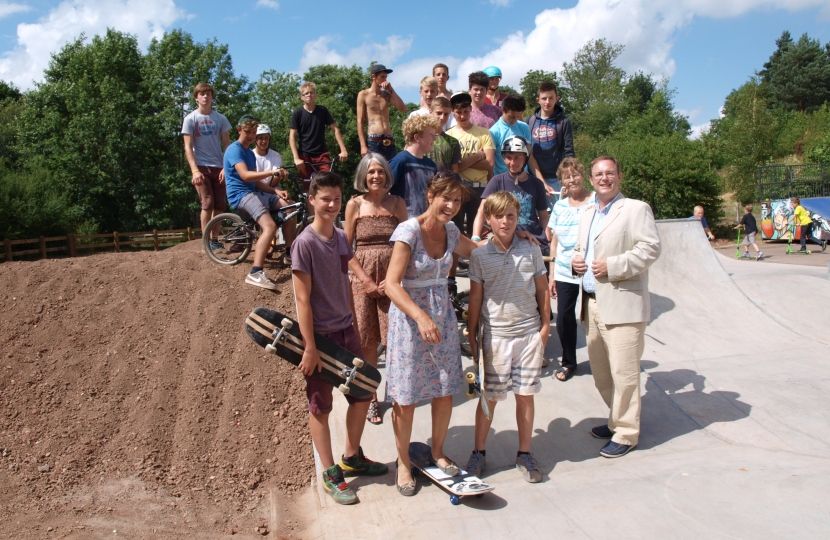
(468,210)
(807,234)
(566,295)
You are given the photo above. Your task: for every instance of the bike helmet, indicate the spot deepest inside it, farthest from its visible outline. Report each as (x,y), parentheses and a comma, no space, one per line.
(492,71)
(263,129)
(515,144)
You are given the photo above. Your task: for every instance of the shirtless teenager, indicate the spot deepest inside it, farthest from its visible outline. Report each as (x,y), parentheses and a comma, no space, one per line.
(442,74)
(373,110)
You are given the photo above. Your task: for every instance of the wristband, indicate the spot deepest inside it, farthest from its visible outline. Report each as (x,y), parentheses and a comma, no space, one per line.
(194,171)
(476,239)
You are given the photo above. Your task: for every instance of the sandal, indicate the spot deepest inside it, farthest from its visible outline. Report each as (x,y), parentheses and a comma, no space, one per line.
(567,371)
(372,415)
(451,469)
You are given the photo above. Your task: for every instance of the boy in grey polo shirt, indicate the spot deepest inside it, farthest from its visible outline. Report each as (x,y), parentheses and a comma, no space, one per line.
(508,289)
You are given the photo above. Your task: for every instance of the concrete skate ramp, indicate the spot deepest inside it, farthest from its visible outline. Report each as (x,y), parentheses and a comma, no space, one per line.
(734,439)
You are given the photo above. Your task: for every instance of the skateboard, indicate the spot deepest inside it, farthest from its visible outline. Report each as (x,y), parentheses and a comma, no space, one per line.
(475,381)
(462,485)
(280,335)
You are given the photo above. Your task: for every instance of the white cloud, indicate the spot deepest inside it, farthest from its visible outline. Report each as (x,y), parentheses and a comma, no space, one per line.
(7,8)
(318,52)
(271,4)
(645,27)
(146,19)
(699,130)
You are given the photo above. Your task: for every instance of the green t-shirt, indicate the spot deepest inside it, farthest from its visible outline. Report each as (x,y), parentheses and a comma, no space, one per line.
(446,152)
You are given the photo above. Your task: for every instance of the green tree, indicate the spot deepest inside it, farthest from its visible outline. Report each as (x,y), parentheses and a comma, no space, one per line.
(744,138)
(798,73)
(86,118)
(11,106)
(595,98)
(276,95)
(32,205)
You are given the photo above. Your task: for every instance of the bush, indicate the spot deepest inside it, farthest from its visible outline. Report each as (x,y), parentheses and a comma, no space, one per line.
(32,206)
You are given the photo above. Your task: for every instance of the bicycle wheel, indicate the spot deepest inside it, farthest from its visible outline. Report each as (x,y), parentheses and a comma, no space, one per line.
(227,240)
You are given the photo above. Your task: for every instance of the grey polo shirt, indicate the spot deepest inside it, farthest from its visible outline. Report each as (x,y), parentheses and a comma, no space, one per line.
(508,278)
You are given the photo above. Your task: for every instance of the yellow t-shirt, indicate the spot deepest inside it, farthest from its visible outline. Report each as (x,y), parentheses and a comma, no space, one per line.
(475,139)
(802,215)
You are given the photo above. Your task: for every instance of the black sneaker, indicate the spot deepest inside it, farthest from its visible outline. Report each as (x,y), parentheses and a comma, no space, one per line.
(360,464)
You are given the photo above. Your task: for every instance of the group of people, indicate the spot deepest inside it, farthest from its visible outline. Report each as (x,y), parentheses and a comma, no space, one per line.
(387,276)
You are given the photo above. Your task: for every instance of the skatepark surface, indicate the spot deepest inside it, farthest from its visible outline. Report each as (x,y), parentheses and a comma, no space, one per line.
(734,437)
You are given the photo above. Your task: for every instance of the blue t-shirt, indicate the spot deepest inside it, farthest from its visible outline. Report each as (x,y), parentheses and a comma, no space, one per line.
(411,178)
(500,131)
(532,200)
(236,188)
(702,221)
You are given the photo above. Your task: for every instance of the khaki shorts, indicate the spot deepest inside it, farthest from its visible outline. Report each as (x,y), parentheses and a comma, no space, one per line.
(748,239)
(512,363)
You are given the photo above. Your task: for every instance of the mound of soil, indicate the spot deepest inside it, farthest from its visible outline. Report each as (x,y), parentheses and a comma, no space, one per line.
(130,395)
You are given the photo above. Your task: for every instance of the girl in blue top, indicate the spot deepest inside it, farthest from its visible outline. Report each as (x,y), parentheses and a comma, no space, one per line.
(564,228)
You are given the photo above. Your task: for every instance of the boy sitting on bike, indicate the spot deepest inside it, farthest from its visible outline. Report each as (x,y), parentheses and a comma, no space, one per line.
(268,159)
(247,192)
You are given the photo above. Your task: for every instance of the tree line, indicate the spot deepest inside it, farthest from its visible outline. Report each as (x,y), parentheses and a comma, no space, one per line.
(96,147)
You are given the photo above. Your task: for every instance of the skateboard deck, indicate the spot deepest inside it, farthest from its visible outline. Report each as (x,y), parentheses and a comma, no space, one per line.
(475,380)
(462,485)
(280,335)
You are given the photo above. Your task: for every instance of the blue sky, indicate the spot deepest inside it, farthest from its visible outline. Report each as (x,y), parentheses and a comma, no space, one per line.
(705,47)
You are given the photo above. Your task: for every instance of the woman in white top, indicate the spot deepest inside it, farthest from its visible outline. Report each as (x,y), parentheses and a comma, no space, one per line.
(564,229)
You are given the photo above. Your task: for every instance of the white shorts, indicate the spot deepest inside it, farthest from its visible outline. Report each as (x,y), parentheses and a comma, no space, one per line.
(513,363)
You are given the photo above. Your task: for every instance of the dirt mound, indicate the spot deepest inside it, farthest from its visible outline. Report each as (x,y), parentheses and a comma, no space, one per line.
(127,378)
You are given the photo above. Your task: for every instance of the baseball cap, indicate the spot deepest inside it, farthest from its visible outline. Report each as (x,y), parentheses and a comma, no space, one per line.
(380,68)
(461,98)
(246,118)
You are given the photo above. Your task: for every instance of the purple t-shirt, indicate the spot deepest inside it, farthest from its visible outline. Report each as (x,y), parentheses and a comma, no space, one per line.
(327,262)
(486,116)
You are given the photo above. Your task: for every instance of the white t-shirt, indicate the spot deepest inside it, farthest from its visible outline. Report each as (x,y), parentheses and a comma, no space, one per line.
(270,161)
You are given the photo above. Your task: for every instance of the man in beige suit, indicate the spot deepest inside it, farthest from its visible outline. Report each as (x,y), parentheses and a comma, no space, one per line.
(617,243)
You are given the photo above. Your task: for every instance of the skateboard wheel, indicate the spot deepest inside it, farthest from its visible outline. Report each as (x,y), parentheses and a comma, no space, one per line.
(343,388)
(470,377)
(466,332)
(471,394)
(270,349)
(465,314)
(455,500)
(358,363)
(287,324)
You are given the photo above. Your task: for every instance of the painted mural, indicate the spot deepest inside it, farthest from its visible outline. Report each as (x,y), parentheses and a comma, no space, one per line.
(776,222)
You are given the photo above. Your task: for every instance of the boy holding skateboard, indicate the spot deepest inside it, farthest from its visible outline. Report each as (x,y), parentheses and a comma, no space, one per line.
(320,258)
(508,291)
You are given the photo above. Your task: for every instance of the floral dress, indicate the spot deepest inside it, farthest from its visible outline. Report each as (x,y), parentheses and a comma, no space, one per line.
(416,370)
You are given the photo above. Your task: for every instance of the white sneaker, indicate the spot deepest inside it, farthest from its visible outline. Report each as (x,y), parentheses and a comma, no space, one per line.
(260,280)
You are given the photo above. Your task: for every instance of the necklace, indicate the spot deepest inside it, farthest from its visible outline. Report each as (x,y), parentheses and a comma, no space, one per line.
(434,241)
(496,238)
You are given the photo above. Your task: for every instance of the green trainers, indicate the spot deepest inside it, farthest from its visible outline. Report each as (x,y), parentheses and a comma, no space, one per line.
(360,464)
(334,483)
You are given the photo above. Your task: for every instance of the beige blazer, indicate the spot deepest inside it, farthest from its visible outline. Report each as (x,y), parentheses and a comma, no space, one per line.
(629,241)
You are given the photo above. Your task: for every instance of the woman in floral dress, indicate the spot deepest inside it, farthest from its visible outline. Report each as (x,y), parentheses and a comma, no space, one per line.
(423,359)
(371,219)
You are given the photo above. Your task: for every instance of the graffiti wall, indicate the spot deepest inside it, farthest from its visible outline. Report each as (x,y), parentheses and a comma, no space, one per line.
(777,221)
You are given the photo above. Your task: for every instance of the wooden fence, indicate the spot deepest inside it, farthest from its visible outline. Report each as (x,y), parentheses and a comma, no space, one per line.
(72,244)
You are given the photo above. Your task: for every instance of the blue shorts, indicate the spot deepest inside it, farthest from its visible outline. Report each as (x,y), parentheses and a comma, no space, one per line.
(258,202)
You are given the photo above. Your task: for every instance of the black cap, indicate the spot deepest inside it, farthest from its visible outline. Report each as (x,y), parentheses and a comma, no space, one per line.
(380,68)
(461,98)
